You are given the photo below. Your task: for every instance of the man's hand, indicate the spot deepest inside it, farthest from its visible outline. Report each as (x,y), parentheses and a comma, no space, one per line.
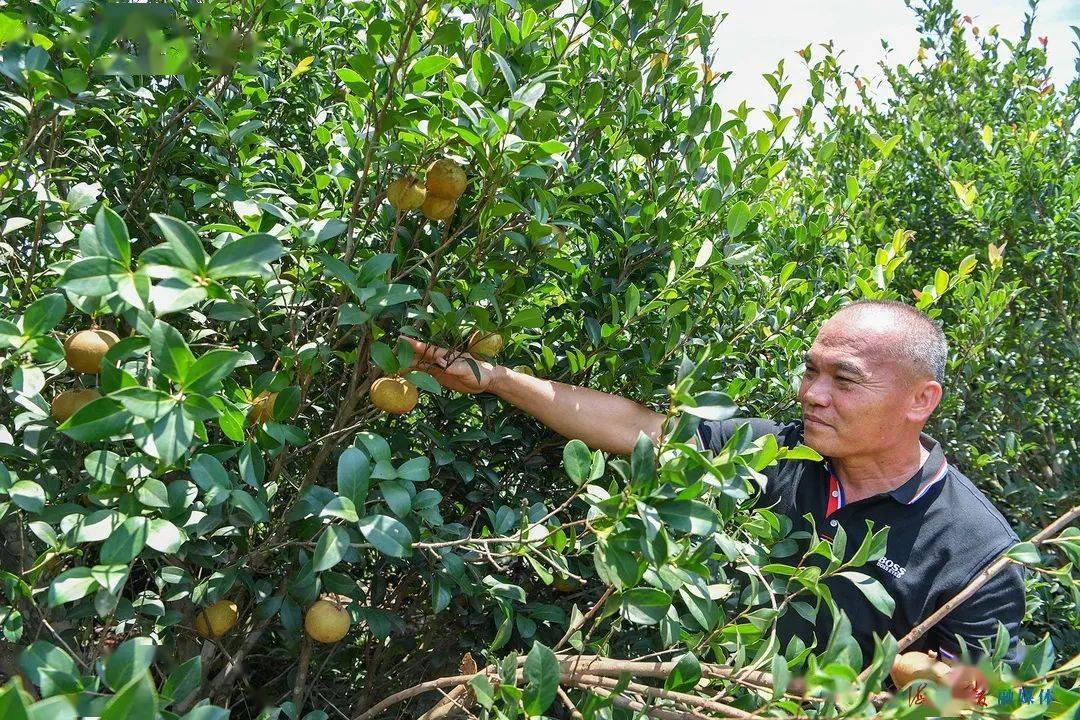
(453,370)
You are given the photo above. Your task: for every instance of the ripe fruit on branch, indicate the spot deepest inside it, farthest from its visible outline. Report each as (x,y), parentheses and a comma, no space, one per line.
(85,349)
(918,666)
(445,179)
(262,408)
(216,620)
(485,345)
(438,208)
(69,402)
(405,194)
(394,395)
(327,620)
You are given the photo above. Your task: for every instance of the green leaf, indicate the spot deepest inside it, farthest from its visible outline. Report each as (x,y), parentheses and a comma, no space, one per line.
(165,537)
(737,219)
(28,495)
(685,675)
(645,606)
(182,681)
(71,585)
(874,591)
(711,406)
(245,257)
(690,516)
(799,452)
(13,705)
(131,659)
(112,236)
(127,542)
(43,315)
(643,462)
(173,434)
(169,351)
(428,66)
(578,461)
(396,497)
(331,548)
(417,470)
(1024,552)
(135,701)
(249,505)
(97,420)
(211,712)
(93,277)
(388,535)
(340,507)
(205,375)
(541,679)
(182,242)
(353,473)
(41,659)
(385,358)
(144,402)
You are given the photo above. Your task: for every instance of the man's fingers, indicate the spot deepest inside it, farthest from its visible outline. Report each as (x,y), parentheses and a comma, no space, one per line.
(427,355)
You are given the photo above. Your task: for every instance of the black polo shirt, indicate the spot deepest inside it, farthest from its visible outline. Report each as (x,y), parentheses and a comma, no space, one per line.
(942,532)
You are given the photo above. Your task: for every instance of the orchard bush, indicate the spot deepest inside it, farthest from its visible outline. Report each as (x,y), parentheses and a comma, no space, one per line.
(209,185)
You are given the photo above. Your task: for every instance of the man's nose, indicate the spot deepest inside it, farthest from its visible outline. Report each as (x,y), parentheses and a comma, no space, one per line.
(814,392)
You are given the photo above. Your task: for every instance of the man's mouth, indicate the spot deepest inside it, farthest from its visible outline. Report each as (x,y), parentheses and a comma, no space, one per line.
(808,419)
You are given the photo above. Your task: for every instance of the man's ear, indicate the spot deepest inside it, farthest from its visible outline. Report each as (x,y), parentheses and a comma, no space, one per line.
(925,400)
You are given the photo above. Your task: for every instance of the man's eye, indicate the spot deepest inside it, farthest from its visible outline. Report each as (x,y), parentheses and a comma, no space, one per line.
(844,380)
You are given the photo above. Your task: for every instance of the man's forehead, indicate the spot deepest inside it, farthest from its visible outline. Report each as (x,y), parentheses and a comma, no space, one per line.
(862,338)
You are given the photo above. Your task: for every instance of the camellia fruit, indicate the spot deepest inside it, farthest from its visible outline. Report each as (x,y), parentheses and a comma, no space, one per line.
(327,620)
(405,194)
(438,208)
(524,370)
(216,620)
(918,666)
(85,349)
(445,179)
(69,402)
(485,345)
(262,408)
(394,395)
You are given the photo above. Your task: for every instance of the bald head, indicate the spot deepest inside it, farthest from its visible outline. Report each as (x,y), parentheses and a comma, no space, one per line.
(900,332)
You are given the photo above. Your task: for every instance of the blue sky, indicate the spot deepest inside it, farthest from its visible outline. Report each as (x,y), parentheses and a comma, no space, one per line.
(757,33)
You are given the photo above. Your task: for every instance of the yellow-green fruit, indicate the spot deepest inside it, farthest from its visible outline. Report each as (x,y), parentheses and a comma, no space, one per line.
(85,349)
(68,402)
(216,620)
(485,345)
(394,395)
(327,620)
(262,408)
(524,369)
(405,194)
(437,208)
(445,179)
(917,666)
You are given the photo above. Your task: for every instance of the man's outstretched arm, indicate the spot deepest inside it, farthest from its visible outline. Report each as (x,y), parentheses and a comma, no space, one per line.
(602,421)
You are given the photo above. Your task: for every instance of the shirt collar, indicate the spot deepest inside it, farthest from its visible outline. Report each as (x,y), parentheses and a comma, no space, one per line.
(931,471)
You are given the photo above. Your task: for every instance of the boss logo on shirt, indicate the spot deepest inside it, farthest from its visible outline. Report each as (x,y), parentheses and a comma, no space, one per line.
(890,567)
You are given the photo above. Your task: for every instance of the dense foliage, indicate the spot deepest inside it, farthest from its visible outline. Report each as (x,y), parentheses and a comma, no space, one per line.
(211,186)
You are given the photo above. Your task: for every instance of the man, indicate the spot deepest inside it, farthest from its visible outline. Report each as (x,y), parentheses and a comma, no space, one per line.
(873,376)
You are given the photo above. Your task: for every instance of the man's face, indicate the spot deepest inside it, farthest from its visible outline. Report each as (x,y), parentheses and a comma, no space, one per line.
(856,396)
